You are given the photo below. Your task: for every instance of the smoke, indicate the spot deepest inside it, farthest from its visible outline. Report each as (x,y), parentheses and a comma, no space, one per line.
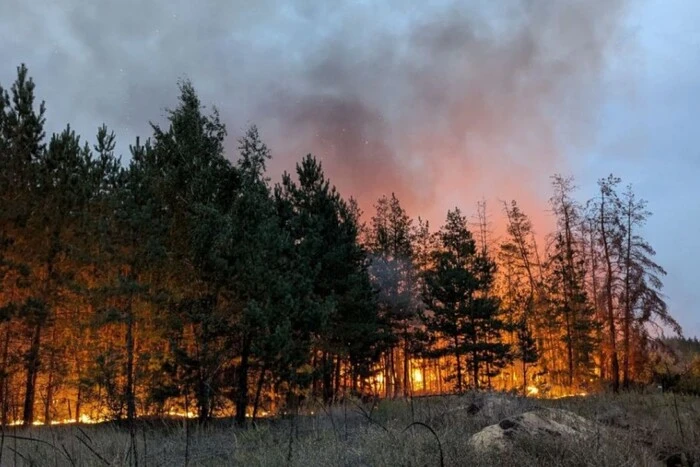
(466,102)
(444,102)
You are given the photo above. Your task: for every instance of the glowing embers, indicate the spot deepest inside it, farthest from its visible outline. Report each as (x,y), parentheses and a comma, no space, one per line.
(573,394)
(84,419)
(181,413)
(532,391)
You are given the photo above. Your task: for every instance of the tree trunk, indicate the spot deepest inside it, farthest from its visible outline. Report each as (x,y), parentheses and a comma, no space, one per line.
(129,390)
(569,337)
(49,392)
(34,356)
(407,380)
(475,369)
(569,290)
(628,306)
(33,363)
(78,402)
(388,386)
(396,387)
(596,303)
(242,383)
(4,377)
(314,376)
(258,392)
(336,389)
(203,379)
(614,363)
(327,378)
(459,365)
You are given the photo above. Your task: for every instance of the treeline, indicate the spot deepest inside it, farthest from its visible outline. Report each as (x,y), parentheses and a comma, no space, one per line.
(183,282)
(676,365)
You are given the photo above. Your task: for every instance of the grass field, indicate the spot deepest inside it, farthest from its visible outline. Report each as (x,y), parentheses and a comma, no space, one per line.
(635,429)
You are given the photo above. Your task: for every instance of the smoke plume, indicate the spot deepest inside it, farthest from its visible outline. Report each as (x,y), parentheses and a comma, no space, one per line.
(442,102)
(448,107)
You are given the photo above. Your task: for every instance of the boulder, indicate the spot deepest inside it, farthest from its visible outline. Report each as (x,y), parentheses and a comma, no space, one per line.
(552,423)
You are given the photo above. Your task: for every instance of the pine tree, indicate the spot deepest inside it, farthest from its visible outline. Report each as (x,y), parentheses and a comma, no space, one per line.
(325,231)
(525,350)
(195,187)
(21,146)
(607,214)
(391,244)
(567,290)
(523,294)
(266,282)
(641,299)
(459,308)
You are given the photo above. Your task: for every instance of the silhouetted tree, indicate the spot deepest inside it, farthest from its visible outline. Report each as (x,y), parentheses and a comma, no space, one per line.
(458,307)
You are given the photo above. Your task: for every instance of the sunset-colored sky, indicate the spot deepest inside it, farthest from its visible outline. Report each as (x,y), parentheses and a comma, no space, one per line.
(443,102)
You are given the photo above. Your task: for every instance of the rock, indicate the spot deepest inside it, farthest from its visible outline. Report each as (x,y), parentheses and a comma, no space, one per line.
(550,423)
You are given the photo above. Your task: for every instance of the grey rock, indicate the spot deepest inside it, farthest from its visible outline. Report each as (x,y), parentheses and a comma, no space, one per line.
(552,423)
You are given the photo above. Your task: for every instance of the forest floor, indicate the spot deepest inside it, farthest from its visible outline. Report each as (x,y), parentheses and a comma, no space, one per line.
(635,429)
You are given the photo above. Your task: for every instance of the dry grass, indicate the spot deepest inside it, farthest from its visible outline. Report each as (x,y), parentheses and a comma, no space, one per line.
(635,430)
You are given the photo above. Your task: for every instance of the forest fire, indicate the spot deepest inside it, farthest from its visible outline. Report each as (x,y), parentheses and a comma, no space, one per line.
(236,298)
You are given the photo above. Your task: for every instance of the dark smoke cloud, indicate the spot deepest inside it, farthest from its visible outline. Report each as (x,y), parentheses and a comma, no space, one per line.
(443,103)
(463,102)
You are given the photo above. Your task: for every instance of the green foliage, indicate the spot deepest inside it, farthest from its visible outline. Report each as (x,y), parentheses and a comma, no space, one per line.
(324,230)
(460,308)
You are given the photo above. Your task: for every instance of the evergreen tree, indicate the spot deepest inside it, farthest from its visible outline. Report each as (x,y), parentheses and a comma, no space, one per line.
(606,212)
(61,175)
(195,187)
(567,292)
(21,146)
(459,309)
(325,231)
(523,294)
(393,273)
(641,299)
(273,326)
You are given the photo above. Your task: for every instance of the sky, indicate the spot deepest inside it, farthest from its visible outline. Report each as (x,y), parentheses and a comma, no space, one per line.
(444,102)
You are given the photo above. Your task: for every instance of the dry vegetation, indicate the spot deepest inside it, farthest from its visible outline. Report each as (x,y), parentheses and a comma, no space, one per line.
(634,430)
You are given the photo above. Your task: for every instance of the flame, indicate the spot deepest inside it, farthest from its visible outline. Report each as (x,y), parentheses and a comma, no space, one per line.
(181,414)
(84,419)
(573,394)
(417,376)
(532,390)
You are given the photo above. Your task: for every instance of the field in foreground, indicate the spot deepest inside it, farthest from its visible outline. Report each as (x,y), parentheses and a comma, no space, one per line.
(634,429)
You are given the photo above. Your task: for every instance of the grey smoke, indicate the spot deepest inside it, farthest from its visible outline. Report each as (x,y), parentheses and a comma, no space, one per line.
(441,102)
